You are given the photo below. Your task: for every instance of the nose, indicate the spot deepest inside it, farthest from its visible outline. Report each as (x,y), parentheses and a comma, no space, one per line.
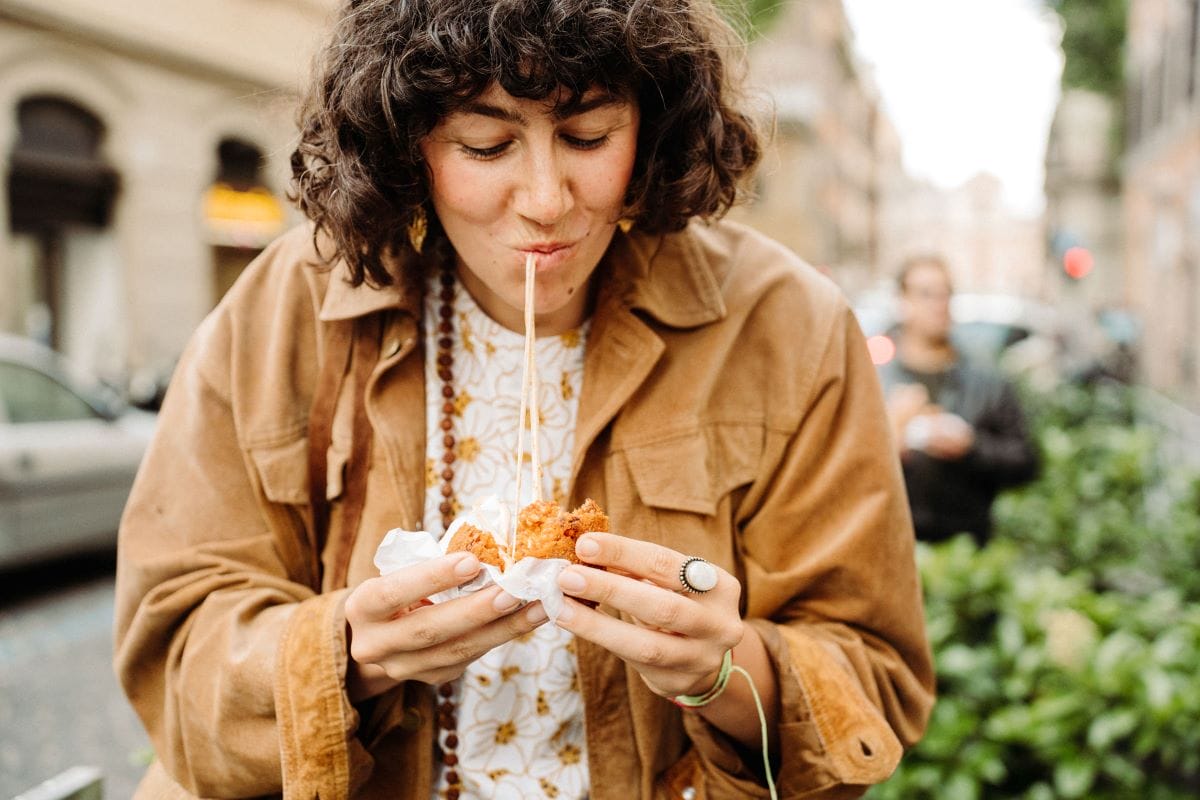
(545,195)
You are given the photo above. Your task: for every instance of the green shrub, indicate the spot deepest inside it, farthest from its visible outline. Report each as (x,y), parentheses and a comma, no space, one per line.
(1106,503)
(1048,688)
(1067,650)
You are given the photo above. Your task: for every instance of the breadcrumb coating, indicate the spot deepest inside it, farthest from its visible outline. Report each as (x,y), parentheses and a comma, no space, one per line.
(543,531)
(546,531)
(474,540)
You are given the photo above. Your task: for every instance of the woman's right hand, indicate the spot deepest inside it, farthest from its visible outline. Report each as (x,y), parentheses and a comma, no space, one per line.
(395,634)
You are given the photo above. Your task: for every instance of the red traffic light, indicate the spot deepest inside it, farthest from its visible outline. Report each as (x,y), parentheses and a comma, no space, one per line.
(1078,262)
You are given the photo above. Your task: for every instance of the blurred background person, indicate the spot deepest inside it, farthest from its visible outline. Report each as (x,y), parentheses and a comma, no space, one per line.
(958,424)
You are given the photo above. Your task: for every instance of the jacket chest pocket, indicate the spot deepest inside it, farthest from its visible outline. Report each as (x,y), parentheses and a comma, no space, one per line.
(283,471)
(678,490)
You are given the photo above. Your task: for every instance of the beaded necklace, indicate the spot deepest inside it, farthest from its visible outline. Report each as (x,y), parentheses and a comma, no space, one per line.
(445,371)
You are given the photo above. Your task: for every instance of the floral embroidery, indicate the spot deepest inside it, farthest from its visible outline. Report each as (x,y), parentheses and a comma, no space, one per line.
(505,732)
(461,401)
(468,449)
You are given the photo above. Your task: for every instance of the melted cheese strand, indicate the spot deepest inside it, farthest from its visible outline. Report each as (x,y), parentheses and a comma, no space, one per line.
(535,411)
(511,536)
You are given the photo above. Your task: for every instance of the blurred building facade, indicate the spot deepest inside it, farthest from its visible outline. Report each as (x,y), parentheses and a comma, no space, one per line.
(144,149)
(987,247)
(833,186)
(1162,191)
(833,149)
(1083,203)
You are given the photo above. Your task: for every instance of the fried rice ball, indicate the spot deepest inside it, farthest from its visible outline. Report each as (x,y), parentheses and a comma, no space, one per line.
(543,531)
(546,531)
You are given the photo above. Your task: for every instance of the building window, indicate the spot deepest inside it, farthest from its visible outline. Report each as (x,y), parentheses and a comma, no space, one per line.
(60,189)
(241,214)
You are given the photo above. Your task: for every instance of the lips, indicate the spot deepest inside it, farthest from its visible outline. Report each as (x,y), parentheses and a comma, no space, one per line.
(544,248)
(548,256)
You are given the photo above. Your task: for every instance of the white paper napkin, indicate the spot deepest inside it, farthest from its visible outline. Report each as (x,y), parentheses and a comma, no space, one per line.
(529,579)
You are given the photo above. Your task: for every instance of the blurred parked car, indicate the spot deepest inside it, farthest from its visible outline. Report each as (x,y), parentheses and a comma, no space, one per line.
(69,449)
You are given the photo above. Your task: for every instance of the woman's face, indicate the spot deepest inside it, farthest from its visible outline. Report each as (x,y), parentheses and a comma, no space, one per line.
(512,177)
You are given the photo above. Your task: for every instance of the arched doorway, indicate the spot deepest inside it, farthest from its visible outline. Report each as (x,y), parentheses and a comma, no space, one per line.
(60,198)
(240,213)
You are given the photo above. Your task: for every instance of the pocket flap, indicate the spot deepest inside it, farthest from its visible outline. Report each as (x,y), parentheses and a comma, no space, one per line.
(283,471)
(674,474)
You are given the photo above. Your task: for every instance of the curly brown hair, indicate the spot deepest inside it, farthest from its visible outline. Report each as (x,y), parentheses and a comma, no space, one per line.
(394,68)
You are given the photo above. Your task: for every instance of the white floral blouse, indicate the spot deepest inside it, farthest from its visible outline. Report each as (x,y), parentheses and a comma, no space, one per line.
(519,710)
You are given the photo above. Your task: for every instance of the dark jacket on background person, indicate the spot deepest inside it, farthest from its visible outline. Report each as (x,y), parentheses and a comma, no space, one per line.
(949,497)
(728,409)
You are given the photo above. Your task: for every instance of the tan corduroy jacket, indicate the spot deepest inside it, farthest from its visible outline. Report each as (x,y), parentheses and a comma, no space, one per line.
(729,410)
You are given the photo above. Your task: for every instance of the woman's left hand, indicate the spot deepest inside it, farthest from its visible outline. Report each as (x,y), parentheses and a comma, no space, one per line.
(677,640)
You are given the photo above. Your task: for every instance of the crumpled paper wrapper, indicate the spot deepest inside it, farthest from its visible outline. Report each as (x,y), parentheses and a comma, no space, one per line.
(529,579)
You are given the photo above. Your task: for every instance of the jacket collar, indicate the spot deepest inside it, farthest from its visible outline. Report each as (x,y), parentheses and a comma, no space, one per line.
(668,277)
(344,301)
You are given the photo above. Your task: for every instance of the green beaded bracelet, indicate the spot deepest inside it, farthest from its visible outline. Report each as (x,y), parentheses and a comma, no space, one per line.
(698,700)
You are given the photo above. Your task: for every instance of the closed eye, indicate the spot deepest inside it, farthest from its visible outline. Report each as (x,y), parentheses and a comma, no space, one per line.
(485,153)
(585,144)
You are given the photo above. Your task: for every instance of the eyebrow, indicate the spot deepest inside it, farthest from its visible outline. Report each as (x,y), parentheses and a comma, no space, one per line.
(560,112)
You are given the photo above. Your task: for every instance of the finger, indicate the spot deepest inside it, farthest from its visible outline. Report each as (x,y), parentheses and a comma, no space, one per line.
(632,557)
(669,657)
(442,622)
(645,560)
(474,644)
(378,599)
(645,600)
(447,660)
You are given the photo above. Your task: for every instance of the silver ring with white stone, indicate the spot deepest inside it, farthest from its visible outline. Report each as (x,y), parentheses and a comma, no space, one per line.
(697,575)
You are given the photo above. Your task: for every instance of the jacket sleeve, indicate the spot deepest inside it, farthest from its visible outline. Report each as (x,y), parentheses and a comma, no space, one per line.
(831,585)
(235,665)
(1004,452)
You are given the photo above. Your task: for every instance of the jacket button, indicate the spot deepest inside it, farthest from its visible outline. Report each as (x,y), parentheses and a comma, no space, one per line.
(689,793)
(395,345)
(411,720)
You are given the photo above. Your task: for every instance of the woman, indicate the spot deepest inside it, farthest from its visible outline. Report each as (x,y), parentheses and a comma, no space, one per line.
(712,393)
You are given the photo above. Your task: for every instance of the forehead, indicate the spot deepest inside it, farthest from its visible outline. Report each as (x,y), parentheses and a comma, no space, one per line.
(496,102)
(927,274)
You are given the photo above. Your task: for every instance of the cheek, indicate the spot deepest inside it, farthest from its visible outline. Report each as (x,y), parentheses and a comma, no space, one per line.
(462,191)
(605,184)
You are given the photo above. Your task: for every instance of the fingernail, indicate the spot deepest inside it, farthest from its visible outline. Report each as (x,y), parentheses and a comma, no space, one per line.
(571,581)
(505,602)
(467,566)
(587,547)
(536,614)
(566,613)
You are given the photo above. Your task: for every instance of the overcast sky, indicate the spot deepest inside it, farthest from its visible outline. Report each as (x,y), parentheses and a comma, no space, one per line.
(969,84)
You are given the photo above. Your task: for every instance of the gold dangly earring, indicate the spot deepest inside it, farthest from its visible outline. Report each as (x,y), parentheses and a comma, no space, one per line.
(625,224)
(418,226)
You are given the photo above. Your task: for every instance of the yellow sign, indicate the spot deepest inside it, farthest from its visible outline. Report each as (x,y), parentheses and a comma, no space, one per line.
(238,218)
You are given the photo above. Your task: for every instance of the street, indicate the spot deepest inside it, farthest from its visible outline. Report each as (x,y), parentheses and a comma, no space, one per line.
(60,705)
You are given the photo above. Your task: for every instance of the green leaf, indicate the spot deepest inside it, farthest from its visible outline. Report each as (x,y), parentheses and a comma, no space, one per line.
(1075,777)
(1111,726)
(960,786)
